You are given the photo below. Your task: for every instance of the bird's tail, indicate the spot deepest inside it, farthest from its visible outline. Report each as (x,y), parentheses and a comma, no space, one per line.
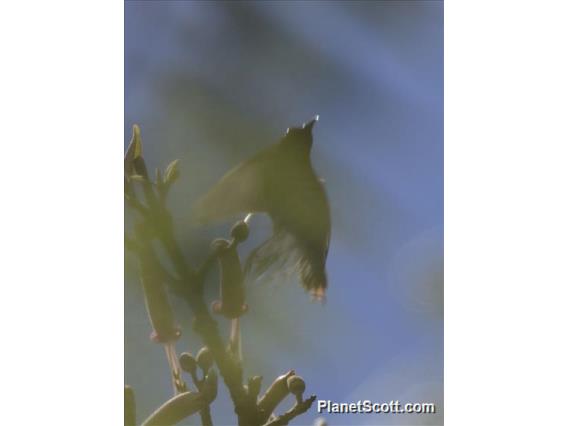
(313,276)
(274,253)
(282,253)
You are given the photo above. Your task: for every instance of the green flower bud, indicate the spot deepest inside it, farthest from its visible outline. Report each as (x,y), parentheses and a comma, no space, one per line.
(204,358)
(188,362)
(232,291)
(158,305)
(219,245)
(277,391)
(296,385)
(176,409)
(240,231)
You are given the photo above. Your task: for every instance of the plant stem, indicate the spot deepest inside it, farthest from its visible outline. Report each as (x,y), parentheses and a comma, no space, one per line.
(207,328)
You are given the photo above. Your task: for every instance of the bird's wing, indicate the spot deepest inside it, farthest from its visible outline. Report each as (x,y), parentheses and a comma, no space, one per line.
(308,211)
(239,191)
(307,220)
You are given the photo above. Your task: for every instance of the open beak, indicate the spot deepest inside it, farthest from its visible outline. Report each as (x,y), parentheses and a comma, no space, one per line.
(311,123)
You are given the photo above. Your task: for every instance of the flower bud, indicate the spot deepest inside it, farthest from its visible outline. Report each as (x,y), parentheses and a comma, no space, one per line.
(296,385)
(277,391)
(219,244)
(204,358)
(176,409)
(187,362)
(240,231)
(158,306)
(232,291)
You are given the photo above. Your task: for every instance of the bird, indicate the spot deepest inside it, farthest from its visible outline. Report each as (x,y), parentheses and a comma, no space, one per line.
(281,182)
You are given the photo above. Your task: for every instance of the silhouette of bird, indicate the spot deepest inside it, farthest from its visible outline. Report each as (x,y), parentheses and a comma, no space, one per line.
(281,182)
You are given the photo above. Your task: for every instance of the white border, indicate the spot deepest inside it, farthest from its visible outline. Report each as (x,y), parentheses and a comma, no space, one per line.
(506,212)
(61,308)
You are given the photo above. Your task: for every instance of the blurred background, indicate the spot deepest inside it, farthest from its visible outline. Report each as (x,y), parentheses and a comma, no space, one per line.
(211,83)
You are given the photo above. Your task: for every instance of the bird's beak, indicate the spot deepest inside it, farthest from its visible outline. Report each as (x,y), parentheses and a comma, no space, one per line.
(311,123)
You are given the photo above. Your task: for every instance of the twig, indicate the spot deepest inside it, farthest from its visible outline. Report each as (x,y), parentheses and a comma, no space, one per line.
(298,409)
(205,415)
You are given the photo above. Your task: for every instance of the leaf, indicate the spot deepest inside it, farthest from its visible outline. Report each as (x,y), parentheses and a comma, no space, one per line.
(140,167)
(176,409)
(137,178)
(136,141)
(133,151)
(172,172)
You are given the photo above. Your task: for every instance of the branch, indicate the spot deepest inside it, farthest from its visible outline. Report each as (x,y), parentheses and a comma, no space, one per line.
(205,325)
(157,225)
(298,409)
(205,415)
(274,395)
(207,328)
(206,386)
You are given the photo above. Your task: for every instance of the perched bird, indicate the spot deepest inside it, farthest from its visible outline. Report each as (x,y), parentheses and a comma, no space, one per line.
(281,182)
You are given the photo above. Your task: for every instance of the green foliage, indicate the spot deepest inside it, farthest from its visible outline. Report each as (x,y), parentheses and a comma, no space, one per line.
(154,225)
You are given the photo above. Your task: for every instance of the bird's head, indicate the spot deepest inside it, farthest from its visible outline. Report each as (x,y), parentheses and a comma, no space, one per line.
(300,137)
